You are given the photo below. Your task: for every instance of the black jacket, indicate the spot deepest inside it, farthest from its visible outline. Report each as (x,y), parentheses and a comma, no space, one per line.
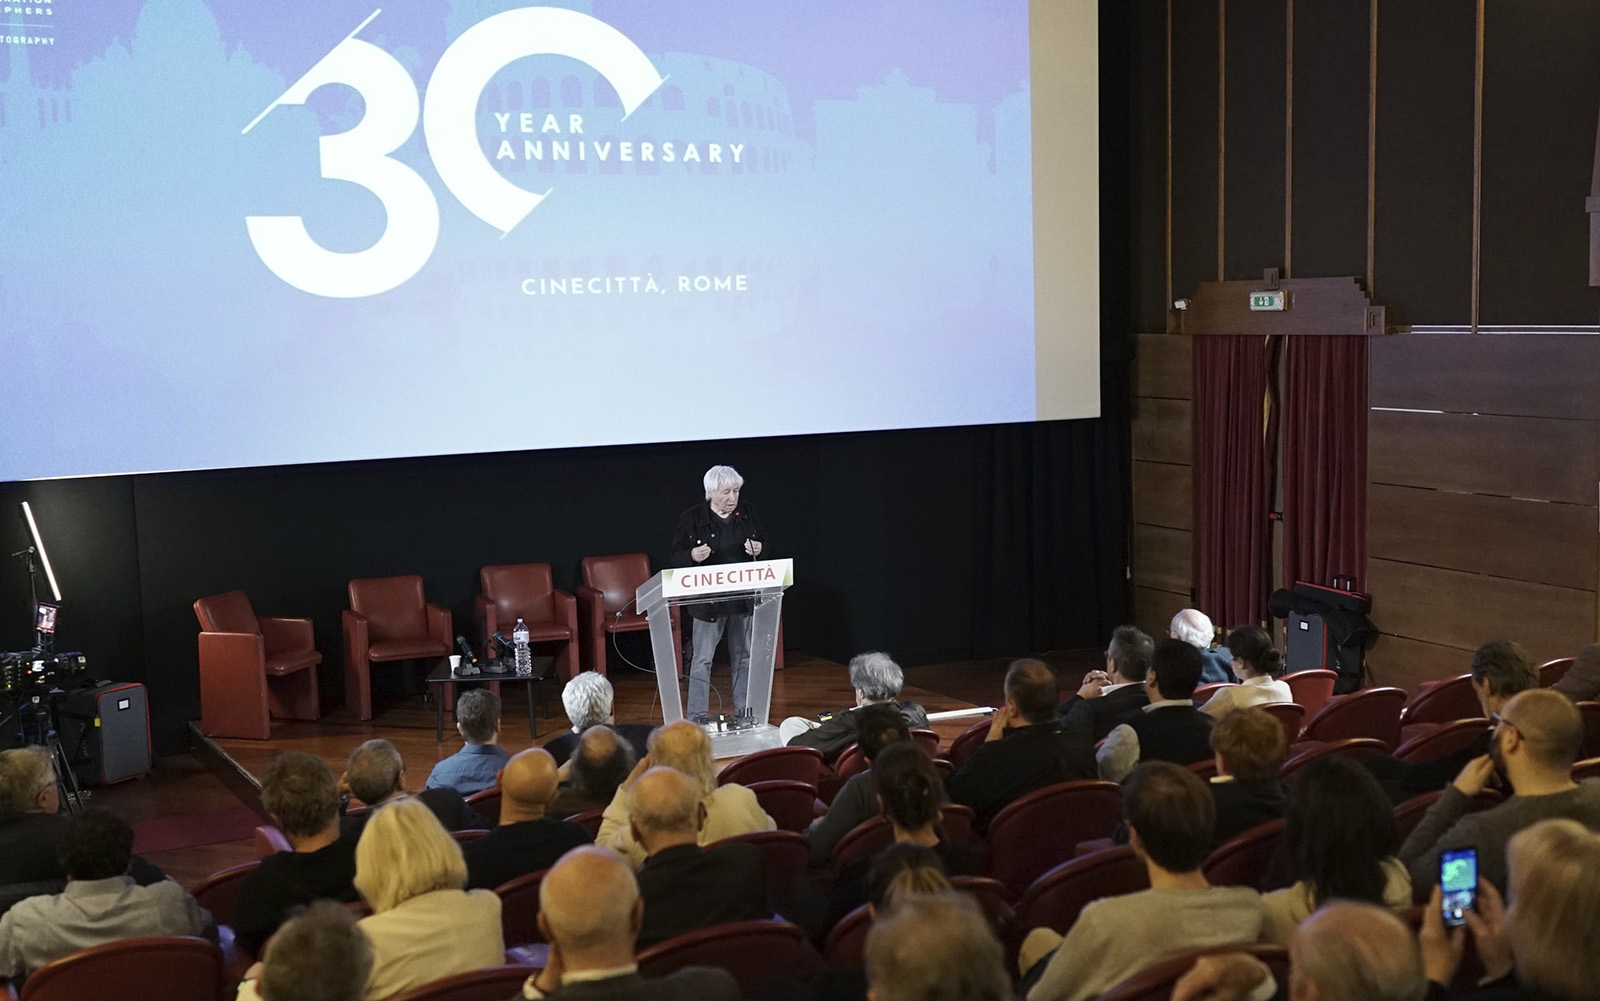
(1243,805)
(839,732)
(513,850)
(636,734)
(1098,717)
(687,887)
(698,526)
(446,804)
(1025,758)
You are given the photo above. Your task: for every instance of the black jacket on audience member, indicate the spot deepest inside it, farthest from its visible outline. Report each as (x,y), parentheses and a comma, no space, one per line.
(1243,805)
(513,850)
(1180,734)
(636,734)
(286,880)
(687,887)
(1025,758)
(1099,716)
(844,728)
(1403,780)
(446,804)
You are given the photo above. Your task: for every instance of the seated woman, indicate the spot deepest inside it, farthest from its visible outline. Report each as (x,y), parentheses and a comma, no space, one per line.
(1341,841)
(1258,665)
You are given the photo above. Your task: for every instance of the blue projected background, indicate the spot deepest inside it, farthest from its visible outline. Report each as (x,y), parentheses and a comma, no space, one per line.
(840,238)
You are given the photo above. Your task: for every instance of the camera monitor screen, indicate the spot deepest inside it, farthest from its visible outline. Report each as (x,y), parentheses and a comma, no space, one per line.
(44,620)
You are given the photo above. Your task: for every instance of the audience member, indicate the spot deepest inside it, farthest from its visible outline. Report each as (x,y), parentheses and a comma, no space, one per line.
(1535,743)
(300,794)
(877,680)
(423,925)
(1499,670)
(1170,820)
(1347,951)
(1194,627)
(1113,696)
(935,947)
(904,869)
(1581,683)
(1250,747)
(473,768)
(590,911)
(602,762)
(856,802)
(1170,728)
(1340,841)
(730,809)
(318,955)
(373,775)
(588,699)
(100,904)
(525,840)
(1025,749)
(685,886)
(1258,665)
(1549,936)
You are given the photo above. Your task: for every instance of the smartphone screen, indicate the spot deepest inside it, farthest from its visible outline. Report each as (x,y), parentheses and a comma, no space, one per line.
(1458,883)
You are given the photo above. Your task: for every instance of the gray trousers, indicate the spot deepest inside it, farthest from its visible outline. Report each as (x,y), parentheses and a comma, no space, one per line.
(706,636)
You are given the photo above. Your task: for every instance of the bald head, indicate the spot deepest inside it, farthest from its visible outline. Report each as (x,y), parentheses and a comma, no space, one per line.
(1550,726)
(601,762)
(527,785)
(1350,951)
(687,748)
(665,809)
(1031,685)
(589,901)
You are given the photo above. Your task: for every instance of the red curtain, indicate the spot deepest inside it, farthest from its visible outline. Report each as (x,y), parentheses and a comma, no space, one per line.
(1234,453)
(1325,460)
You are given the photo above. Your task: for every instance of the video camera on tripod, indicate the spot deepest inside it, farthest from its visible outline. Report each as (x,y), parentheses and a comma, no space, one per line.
(26,674)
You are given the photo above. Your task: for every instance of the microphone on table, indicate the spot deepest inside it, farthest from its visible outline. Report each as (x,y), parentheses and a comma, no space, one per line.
(469,660)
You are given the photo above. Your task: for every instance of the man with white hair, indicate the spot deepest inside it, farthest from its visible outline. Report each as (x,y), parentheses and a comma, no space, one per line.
(718,531)
(588,698)
(876,679)
(1194,627)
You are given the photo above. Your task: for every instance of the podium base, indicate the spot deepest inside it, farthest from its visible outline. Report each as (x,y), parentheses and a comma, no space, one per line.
(738,743)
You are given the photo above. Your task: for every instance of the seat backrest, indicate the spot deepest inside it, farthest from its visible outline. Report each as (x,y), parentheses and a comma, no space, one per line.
(1408,814)
(1311,688)
(991,897)
(791,804)
(1155,982)
(219,892)
(469,834)
(928,740)
(519,591)
(1446,739)
(1371,712)
(1588,768)
(1443,702)
(850,763)
(394,606)
(1203,694)
(958,822)
(962,747)
(1590,711)
(1353,747)
(486,803)
(1291,714)
(846,944)
(1552,671)
(134,969)
(1246,859)
(519,908)
(785,856)
(867,838)
(493,984)
(1205,767)
(1055,899)
(268,839)
(589,820)
(1040,830)
(229,612)
(754,952)
(799,764)
(616,577)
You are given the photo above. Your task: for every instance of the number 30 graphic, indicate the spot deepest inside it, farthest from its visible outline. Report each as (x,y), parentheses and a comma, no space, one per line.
(362,155)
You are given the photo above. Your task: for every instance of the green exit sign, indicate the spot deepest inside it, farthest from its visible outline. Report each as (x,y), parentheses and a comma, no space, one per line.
(1273,300)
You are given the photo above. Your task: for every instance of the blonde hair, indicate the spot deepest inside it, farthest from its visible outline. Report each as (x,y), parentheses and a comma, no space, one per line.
(686,748)
(1553,924)
(404,852)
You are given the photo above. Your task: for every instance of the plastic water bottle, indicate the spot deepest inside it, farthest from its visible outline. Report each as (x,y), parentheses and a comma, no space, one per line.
(524,657)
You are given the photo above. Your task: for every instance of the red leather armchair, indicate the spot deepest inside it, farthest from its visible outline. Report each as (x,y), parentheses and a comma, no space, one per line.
(526,591)
(609,584)
(253,668)
(388,619)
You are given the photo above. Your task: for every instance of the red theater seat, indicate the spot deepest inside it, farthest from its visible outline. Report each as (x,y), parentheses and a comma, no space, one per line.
(135,969)
(253,668)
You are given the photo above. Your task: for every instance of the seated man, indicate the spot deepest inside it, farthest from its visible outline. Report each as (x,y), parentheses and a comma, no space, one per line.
(1536,741)
(1025,749)
(602,762)
(525,840)
(1499,670)
(302,797)
(318,956)
(1581,683)
(857,801)
(100,904)
(1115,695)
(588,699)
(590,913)
(684,886)
(1170,821)
(1170,728)
(1250,746)
(372,777)
(877,679)
(935,946)
(473,768)
(1194,627)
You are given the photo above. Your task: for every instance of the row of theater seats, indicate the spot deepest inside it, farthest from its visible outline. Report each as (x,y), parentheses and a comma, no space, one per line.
(254,668)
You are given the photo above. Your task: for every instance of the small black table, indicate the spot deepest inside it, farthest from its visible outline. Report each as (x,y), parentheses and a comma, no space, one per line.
(441,675)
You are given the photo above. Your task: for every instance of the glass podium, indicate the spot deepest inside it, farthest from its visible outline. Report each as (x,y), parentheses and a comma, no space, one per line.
(762,583)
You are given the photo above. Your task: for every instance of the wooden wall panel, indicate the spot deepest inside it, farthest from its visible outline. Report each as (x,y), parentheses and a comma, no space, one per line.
(1162,557)
(1153,609)
(1519,539)
(1508,456)
(1465,610)
(1162,431)
(1406,663)
(1162,366)
(1528,375)
(1163,494)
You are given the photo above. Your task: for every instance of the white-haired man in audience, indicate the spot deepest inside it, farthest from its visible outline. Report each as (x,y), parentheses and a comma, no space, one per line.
(876,679)
(931,947)
(588,699)
(474,767)
(590,912)
(373,776)
(1194,627)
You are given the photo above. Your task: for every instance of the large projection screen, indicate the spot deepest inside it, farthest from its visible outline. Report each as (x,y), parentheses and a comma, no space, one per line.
(237,233)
